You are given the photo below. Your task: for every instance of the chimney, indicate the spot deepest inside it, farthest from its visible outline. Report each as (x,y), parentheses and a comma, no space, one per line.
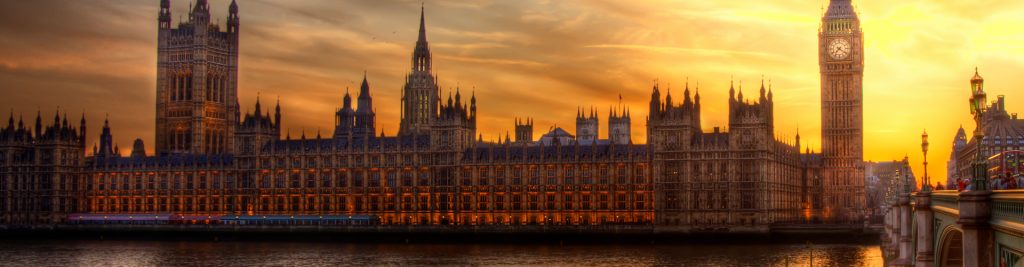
(1002,102)
(1015,116)
(717,130)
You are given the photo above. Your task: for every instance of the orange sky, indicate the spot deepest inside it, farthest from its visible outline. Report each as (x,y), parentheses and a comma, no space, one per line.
(537,58)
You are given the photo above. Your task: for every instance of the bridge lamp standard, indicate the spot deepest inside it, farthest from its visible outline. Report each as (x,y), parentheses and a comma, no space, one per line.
(978,102)
(926,181)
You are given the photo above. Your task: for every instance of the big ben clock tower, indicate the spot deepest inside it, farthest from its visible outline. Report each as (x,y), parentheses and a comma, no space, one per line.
(841,59)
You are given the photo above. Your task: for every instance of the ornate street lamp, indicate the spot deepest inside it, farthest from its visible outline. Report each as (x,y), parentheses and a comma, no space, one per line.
(978,102)
(926,185)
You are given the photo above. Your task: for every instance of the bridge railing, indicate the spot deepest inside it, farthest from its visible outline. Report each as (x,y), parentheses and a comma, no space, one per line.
(1008,205)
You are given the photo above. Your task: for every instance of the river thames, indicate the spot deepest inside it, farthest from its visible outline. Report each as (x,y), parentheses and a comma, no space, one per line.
(192,253)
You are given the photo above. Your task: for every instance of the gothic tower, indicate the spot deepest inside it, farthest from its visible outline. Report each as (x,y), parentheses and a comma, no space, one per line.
(586,127)
(364,123)
(841,59)
(524,130)
(197,82)
(420,97)
(344,119)
(619,127)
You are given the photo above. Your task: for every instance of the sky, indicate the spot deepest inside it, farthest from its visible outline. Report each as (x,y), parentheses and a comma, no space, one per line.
(530,58)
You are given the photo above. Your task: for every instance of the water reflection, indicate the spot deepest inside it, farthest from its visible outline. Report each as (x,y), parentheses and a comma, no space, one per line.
(157,253)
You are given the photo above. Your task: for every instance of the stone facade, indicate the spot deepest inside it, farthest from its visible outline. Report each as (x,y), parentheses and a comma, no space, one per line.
(841,59)
(197,82)
(744,178)
(40,170)
(213,161)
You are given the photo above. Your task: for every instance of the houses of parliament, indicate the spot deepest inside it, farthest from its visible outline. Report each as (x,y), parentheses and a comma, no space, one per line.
(212,160)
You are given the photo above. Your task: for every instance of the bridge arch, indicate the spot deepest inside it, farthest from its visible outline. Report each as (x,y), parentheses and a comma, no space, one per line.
(951,247)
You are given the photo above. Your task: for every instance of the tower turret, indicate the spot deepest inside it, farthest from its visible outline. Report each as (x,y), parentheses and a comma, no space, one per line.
(524,130)
(106,140)
(233,20)
(39,124)
(619,127)
(81,131)
(420,94)
(165,14)
(365,117)
(277,113)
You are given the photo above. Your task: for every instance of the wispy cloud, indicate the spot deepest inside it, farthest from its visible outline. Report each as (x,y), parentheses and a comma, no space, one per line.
(685,50)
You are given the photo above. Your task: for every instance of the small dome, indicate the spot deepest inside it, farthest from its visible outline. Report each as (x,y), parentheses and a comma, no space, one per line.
(977,77)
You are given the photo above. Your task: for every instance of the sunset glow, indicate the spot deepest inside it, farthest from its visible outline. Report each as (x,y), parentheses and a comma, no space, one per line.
(539,59)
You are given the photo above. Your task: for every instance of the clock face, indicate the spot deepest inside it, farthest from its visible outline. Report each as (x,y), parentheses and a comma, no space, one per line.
(839,48)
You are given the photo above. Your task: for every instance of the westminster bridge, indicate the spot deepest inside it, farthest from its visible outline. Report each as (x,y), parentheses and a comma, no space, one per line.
(950,228)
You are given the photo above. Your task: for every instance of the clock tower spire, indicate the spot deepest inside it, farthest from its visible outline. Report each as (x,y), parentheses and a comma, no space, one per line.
(841,62)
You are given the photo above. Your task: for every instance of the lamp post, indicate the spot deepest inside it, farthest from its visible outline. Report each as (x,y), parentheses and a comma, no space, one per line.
(923,214)
(975,205)
(978,102)
(926,185)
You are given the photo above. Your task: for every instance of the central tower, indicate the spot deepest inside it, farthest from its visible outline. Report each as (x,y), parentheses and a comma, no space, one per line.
(420,94)
(197,82)
(841,59)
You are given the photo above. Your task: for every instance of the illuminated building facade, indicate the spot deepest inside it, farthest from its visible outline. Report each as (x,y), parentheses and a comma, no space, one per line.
(197,82)
(436,170)
(841,60)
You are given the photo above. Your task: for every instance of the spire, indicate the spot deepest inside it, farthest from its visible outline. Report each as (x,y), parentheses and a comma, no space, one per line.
(840,9)
(696,95)
(423,24)
(732,90)
(798,139)
(56,118)
(201,5)
(421,55)
(686,94)
(258,109)
(458,97)
(668,96)
(364,88)
(39,123)
(277,110)
(472,103)
(763,91)
(347,100)
(365,101)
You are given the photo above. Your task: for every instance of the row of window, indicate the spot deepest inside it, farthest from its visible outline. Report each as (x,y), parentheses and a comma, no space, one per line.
(516,202)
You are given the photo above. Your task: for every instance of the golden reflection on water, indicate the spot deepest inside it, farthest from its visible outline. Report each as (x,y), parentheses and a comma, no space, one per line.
(173,253)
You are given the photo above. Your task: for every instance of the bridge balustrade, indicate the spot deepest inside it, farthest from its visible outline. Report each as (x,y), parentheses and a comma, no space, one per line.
(977,228)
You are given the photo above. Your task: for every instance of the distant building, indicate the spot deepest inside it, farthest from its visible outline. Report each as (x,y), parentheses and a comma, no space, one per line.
(880,178)
(959,143)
